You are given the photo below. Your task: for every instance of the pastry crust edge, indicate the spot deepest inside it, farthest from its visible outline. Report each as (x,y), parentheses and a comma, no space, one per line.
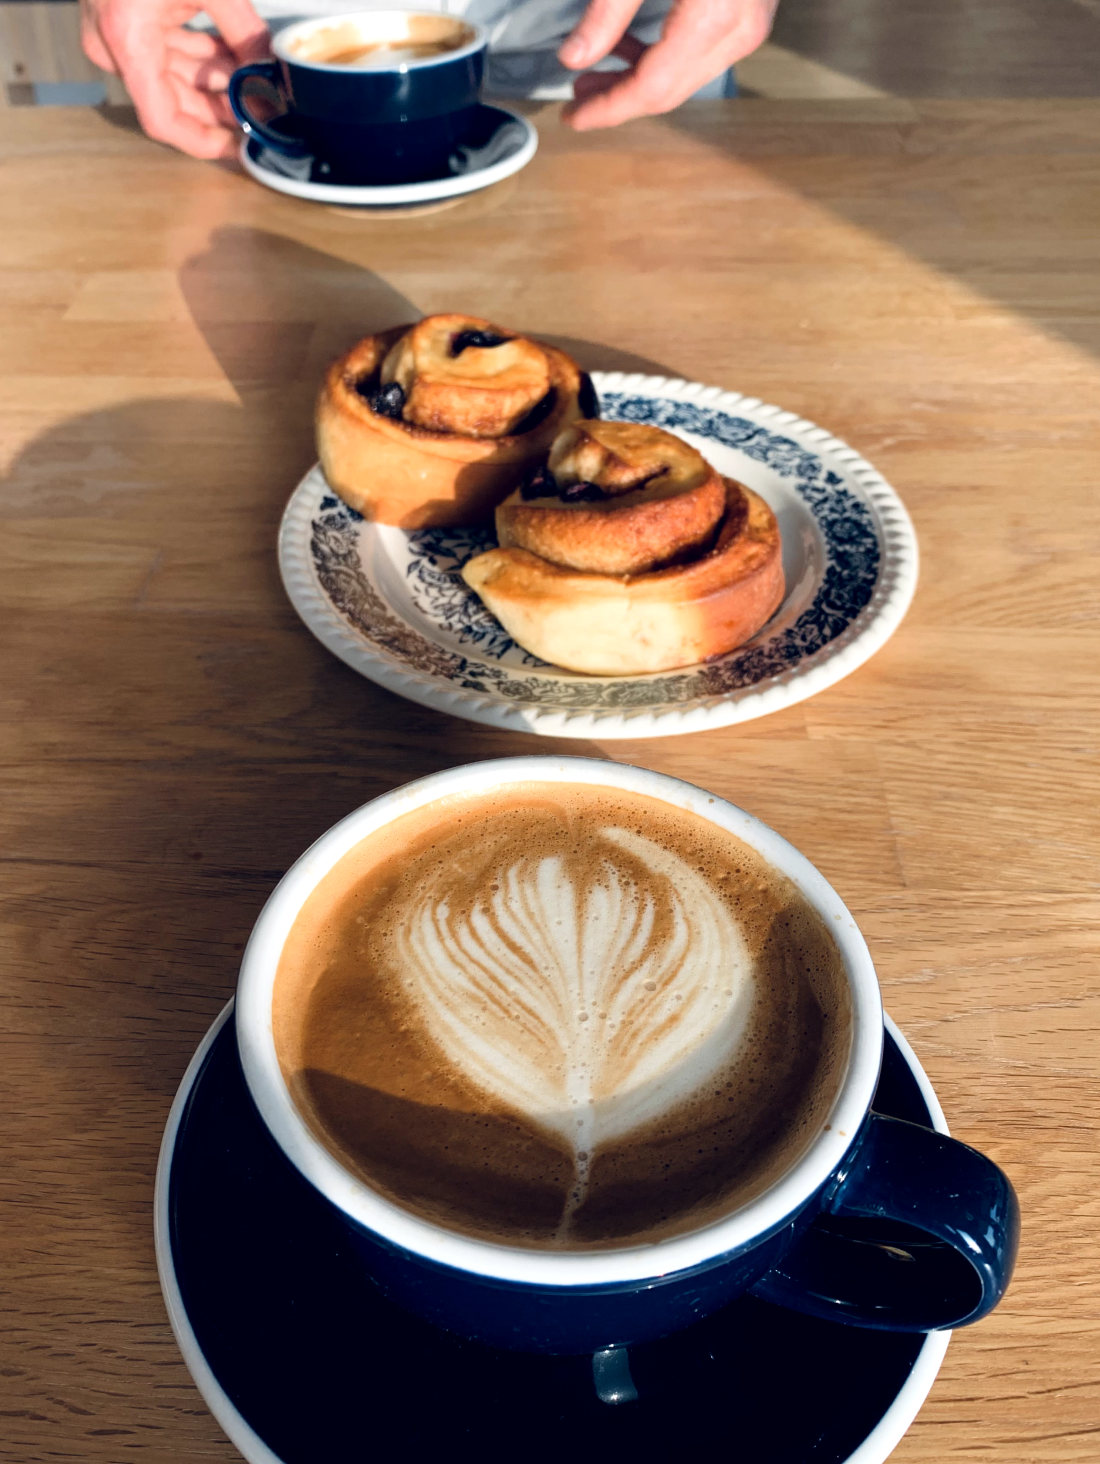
(607,625)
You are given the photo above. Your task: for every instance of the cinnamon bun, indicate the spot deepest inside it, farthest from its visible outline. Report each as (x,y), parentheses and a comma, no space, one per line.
(627,554)
(432,425)
(615,498)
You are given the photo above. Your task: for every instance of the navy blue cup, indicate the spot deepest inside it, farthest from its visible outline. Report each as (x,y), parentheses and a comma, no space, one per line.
(396,120)
(920,1234)
(914,1231)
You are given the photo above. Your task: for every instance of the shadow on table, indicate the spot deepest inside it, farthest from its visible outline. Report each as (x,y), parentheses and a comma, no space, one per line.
(201,738)
(274,312)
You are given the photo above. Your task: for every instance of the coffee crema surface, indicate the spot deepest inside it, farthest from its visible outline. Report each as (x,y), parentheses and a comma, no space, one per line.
(424,36)
(560,1015)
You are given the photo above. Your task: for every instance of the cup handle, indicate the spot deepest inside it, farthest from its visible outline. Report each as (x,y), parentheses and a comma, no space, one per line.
(269,72)
(918,1232)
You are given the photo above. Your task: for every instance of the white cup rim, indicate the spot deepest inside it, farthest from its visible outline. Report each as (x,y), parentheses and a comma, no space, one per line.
(751,1223)
(282,41)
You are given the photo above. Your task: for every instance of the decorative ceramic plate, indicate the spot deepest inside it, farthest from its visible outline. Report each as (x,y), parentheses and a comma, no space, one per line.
(392,604)
(503,144)
(301,1359)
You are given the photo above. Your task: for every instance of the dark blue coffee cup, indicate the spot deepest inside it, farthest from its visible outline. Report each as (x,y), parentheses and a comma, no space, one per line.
(878,1222)
(394,115)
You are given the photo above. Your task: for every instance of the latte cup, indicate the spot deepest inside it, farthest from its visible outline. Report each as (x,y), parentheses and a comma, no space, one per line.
(379,97)
(877,1222)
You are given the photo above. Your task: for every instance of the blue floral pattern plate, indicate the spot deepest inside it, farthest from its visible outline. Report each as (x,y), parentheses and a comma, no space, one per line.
(393,605)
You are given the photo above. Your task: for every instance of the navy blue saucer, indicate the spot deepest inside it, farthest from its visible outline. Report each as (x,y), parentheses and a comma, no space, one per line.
(492,134)
(321,1367)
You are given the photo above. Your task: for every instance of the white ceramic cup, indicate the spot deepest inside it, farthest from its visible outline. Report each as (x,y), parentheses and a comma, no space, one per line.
(511,1295)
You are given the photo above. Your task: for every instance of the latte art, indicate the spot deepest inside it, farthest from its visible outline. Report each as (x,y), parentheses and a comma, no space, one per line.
(561,1016)
(589,1005)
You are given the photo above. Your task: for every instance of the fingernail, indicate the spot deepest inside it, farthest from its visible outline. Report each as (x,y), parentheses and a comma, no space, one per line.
(572,53)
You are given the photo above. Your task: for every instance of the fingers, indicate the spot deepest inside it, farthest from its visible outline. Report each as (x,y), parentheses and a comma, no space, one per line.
(173,112)
(206,69)
(190,135)
(592,83)
(600,28)
(200,44)
(701,39)
(209,109)
(240,28)
(641,92)
(170,72)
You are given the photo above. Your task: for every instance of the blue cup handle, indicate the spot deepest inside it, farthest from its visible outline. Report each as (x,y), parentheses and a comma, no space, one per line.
(917,1233)
(269,72)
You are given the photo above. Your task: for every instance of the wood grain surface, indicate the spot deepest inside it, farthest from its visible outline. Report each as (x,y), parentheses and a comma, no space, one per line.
(918,277)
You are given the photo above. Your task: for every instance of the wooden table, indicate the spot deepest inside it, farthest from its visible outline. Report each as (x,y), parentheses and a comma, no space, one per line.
(921,278)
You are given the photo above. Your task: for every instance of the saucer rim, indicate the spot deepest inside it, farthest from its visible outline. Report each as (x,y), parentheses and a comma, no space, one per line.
(862,639)
(393,194)
(874,1449)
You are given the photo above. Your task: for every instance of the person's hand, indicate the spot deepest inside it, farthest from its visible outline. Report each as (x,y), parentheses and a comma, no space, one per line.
(700,40)
(176,77)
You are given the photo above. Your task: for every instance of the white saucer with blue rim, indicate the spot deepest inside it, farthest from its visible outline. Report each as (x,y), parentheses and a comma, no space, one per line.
(507,143)
(393,605)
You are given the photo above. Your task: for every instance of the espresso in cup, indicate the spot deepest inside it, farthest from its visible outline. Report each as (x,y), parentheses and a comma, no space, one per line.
(381,97)
(562,1016)
(343,43)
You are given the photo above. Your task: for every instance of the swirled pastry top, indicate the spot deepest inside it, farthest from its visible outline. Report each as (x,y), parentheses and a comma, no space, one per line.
(433,424)
(619,498)
(461,374)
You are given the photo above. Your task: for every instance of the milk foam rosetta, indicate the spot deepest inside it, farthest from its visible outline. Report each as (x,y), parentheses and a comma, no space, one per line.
(561,1015)
(591,996)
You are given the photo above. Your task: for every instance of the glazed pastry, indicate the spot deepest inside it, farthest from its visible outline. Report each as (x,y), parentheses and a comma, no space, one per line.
(628,554)
(615,498)
(432,425)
